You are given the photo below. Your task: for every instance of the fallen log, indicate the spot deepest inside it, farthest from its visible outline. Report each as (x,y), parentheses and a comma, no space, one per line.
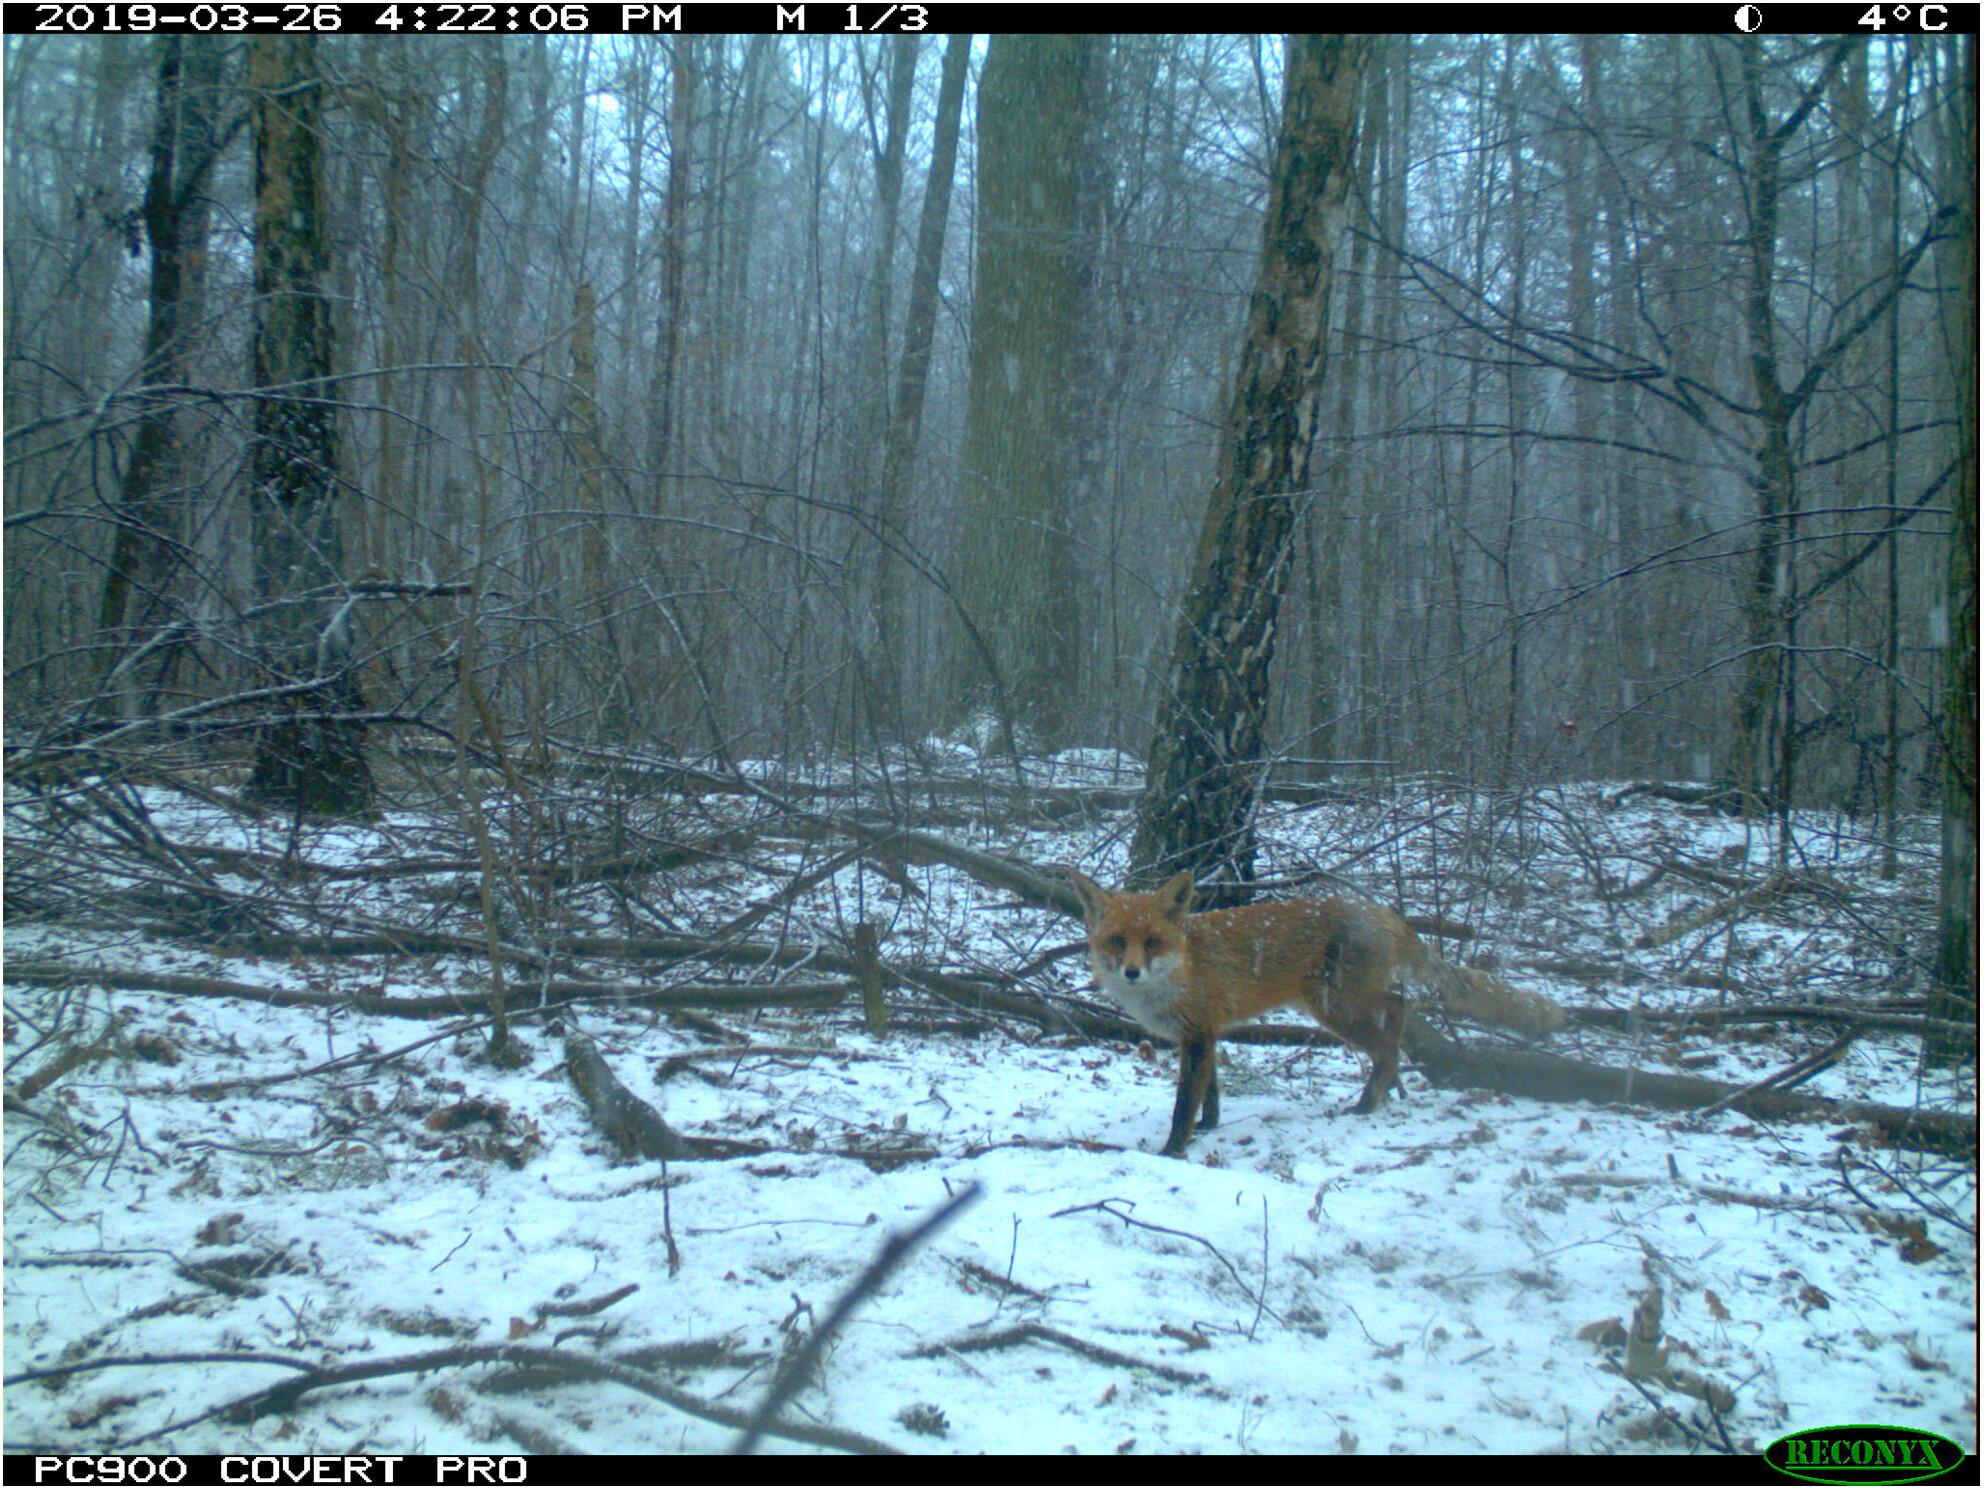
(1530,1073)
(637,1130)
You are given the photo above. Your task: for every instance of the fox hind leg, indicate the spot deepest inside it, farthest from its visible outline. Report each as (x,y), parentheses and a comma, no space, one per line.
(1375,1034)
(1378,1037)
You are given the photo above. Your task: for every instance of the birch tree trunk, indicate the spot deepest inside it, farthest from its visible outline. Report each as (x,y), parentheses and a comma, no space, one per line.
(1206,760)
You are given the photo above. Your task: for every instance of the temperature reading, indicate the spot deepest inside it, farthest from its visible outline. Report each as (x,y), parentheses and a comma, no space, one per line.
(1926,17)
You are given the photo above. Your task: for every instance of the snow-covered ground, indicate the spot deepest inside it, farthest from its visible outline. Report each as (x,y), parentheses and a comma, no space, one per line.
(1435,1277)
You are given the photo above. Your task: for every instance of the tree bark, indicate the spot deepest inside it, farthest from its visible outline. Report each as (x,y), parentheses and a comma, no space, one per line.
(1206,761)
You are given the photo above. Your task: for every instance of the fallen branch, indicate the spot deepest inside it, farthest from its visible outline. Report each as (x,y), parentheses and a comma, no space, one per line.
(638,1130)
(1723,799)
(1034,886)
(682,996)
(679,1355)
(1795,1073)
(189,1358)
(528,1436)
(623,866)
(1860,1014)
(70,1058)
(579,1308)
(284,1397)
(1020,1334)
(1868,1216)
(1749,898)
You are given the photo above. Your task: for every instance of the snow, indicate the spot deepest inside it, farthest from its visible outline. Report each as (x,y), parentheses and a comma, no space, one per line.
(1416,1280)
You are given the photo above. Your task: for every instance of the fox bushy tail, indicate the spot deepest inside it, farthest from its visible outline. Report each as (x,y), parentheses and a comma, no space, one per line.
(1478,995)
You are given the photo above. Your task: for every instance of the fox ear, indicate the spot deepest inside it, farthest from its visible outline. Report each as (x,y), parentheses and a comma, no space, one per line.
(1176,896)
(1088,892)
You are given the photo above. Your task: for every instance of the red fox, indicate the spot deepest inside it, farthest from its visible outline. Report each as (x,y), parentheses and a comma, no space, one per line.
(1189,978)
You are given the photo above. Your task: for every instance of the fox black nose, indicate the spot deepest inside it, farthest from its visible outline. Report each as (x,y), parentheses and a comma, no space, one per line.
(1130,974)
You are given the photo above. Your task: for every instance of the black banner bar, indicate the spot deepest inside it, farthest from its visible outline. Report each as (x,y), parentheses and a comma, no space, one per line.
(648,1469)
(886,18)
(168,1470)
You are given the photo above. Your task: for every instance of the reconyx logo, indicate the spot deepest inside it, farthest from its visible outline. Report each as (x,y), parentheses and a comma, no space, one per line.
(1863,1454)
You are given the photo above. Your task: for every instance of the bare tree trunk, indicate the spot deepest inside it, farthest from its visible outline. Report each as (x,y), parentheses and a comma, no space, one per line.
(185,144)
(1327,532)
(1765,613)
(681,174)
(1371,606)
(1514,539)
(589,446)
(390,497)
(1206,759)
(1954,996)
(634,83)
(871,441)
(889,152)
(913,369)
(1018,582)
(312,760)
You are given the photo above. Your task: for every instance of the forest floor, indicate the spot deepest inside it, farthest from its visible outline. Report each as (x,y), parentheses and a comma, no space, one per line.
(208,1195)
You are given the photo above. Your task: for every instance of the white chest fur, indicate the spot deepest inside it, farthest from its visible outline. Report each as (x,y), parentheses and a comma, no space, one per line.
(1150,998)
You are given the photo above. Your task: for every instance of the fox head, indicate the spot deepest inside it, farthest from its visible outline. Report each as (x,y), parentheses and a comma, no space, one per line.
(1134,936)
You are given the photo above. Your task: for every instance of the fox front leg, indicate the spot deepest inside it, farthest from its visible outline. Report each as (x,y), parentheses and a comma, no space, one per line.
(1195,1078)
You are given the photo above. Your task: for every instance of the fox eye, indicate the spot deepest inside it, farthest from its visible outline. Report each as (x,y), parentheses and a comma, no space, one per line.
(1117,944)
(1151,947)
